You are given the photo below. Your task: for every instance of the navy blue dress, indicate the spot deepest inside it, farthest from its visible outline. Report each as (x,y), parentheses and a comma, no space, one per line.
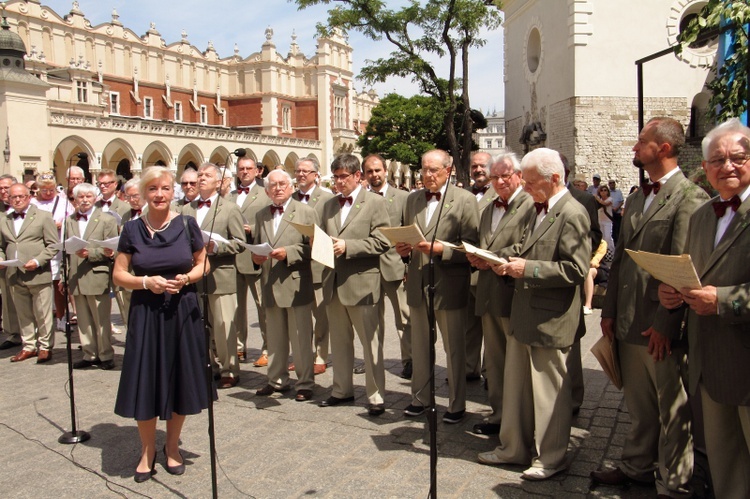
(164,367)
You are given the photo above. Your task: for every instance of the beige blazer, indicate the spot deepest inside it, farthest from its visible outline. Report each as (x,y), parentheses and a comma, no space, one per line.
(392,266)
(632,295)
(720,344)
(91,276)
(223,277)
(356,274)
(459,222)
(547,309)
(118,206)
(494,292)
(254,202)
(35,239)
(286,283)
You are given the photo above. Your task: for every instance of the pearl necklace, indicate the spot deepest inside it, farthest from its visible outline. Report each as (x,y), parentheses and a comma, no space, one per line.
(160,229)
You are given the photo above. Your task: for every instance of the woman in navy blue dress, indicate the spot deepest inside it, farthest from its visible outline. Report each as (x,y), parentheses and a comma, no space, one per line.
(163,370)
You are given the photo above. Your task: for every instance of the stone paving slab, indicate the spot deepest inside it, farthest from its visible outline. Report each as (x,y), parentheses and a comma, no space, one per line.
(271,447)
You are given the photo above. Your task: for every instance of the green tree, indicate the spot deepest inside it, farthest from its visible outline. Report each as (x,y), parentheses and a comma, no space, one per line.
(420,29)
(729,88)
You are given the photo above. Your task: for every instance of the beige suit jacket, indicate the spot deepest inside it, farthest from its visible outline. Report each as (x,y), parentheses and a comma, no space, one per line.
(392,266)
(286,283)
(494,292)
(223,277)
(482,204)
(35,238)
(720,344)
(318,198)
(458,222)
(632,295)
(254,202)
(118,206)
(547,309)
(356,274)
(90,276)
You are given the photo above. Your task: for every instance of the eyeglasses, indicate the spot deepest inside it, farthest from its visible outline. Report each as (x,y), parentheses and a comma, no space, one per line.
(133,196)
(431,172)
(188,183)
(105,184)
(736,160)
(18,196)
(342,177)
(304,173)
(278,185)
(504,177)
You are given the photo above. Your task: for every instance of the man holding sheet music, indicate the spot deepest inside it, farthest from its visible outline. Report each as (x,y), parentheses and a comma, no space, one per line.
(222,217)
(501,225)
(89,278)
(718,241)
(458,222)
(28,235)
(651,353)
(286,286)
(352,288)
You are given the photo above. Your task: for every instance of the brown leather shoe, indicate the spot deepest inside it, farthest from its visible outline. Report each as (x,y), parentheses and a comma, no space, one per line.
(262,361)
(613,476)
(228,382)
(319,368)
(23,355)
(43,356)
(241,356)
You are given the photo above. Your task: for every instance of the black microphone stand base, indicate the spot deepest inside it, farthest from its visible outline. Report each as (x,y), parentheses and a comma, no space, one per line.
(74,437)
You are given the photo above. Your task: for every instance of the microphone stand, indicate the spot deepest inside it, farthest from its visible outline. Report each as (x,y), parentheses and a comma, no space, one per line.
(75,435)
(207,334)
(431,319)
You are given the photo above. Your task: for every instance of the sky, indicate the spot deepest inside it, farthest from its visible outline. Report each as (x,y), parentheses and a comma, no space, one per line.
(226,22)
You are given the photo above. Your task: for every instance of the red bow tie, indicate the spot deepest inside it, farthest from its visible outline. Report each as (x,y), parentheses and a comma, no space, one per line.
(477,190)
(344,199)
(275,209)
(304,197)
(134,213)
(106,203)
(206,203)
(429,195)
(81,216)
(648,187)
(541,206)
(18,215)
(499,203)
(243,190)
(720,207)
(377,192)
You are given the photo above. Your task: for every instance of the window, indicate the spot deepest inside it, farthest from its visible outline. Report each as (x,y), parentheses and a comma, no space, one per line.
(488,144)
(204,115)
(178,111)
(82,88)
(148,107)
(286,119)
(114,103)
(339,112)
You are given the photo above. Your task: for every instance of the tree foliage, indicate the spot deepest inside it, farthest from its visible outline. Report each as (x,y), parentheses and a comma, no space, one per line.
(403,128)
(729,88)
(418,30)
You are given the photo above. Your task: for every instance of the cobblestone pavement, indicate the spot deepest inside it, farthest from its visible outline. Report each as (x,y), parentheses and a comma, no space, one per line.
(275,447)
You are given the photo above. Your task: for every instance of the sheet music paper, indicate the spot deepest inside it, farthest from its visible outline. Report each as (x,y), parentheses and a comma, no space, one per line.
(675,270)
(322,244)
(264,249)
(409,234)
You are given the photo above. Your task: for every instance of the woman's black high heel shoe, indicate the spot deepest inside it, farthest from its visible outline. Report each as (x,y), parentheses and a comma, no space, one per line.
(173,470)
(142,476)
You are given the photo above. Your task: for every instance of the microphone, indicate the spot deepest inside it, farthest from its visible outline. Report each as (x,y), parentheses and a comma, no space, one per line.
(240,153)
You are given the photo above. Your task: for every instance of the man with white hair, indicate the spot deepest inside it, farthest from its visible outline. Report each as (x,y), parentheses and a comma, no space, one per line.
(717,241)
(549,271)
(11,328)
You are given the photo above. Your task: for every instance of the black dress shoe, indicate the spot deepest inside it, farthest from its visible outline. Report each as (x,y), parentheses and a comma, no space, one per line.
(107,365)
(407,371)
(269,389)
(173,470)
(84,364)
(359,370)
(376,409)
(333,401)
(7,344)
(142,476)
(486,429)
(303,395)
